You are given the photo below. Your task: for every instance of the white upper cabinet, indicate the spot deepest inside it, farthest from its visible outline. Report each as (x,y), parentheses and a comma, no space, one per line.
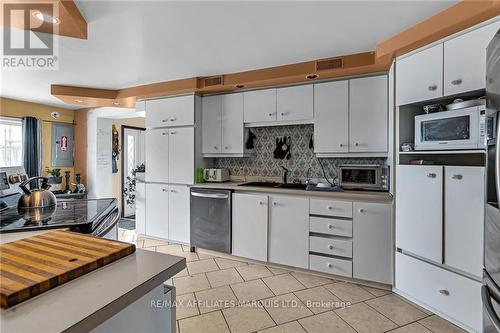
(295,103)
(178,213)
(331,117)
(181,155)
(419,217)
(157,155)
(419,76)
(368,114)
(464,215)
(259,106)
(211,124)
(173,111)
(465,60)
(232,124)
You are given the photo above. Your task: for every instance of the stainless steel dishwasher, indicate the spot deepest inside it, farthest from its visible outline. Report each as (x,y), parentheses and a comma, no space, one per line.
(211,219)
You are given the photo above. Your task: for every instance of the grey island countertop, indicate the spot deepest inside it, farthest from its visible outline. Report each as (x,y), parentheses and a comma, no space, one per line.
(85,302)
(372,196)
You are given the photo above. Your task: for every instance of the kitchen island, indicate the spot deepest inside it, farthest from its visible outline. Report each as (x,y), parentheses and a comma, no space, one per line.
(101,301)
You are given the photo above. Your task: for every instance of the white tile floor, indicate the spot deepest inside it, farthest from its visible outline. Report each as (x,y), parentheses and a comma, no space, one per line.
(225,295)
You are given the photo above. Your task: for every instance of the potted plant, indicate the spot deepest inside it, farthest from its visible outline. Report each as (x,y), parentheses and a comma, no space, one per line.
(55,176)
(129,188)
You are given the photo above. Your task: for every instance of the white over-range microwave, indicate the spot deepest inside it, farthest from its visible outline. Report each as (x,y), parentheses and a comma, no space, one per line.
(456,129)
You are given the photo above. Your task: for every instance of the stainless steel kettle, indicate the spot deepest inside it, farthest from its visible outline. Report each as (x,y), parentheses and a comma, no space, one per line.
(39,197)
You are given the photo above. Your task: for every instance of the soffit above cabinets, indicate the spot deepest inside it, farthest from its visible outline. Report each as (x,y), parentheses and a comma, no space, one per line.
(452,20)
(57,17)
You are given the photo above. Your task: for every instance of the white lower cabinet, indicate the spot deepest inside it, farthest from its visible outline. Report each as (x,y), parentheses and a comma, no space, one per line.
(330,265)
(372,242)
(157,210)
(289,231)
(178,213)
(464,218)
(450,294)
(419,218)
(140,208)
(249,226)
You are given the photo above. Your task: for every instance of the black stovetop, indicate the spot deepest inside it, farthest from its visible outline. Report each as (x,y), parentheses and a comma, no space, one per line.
(77,213)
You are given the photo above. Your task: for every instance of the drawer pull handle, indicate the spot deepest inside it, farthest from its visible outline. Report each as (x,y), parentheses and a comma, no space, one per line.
(330,247)
(341,145)
(271,114)
(164,133)
(329,207)
(275,203)
(456,82)
(444,292)
(164,190)
(432,88)
(431,175)
(164,120)
(356,144)
(261,202)
(329,265)
(330,226)
(459,177)
(215,147)
(361,210)
(173,132)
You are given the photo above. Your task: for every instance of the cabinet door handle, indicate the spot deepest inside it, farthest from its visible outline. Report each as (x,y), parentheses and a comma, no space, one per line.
(458,177)
(341,145)
(173,119)
(164,190)
(329,265)
(330,226)
(356,144)
(330,247)
(215,147)
(173,132)
(275,203)
(432,88)
(261,202)
(164,120)
(329,207)
(164,133)
(361,210)
(227,147)
(431,175)
(456,82)
(270,114)
(172,191)
(444,292)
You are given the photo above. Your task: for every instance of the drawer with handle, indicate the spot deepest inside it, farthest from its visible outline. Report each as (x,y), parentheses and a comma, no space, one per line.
(331,246)
(330,207)
(330,265)
(330,226)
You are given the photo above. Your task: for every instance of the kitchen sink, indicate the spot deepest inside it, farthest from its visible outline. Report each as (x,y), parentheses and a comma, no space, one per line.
(275,185)
(292,186)
(260,184)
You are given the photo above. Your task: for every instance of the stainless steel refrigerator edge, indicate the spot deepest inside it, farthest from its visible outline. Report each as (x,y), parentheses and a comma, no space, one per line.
(490,291)
(211,219)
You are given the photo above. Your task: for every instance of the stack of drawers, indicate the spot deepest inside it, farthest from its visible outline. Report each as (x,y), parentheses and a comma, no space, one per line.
(330,236)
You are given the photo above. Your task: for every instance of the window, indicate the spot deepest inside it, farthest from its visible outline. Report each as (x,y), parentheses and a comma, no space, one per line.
(11,142)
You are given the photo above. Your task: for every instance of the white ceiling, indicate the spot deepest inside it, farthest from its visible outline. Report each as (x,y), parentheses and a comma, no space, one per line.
(131,43)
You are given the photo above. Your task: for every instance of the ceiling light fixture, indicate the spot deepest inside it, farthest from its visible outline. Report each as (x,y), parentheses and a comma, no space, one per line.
(78,101)
(45,17)
(239,86)
(312,76)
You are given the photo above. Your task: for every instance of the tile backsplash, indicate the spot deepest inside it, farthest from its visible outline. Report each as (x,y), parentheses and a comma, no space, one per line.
(263,164)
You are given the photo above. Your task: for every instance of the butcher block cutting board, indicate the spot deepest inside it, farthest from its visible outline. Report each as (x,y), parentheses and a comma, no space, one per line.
(31,266)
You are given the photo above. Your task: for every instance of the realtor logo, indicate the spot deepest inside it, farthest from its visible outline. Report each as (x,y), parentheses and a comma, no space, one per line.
(28,36)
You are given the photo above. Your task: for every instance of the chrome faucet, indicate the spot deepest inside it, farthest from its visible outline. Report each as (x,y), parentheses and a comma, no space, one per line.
(308,180)
(284,177)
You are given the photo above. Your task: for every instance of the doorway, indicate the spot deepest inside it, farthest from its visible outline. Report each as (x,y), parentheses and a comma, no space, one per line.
(133,155)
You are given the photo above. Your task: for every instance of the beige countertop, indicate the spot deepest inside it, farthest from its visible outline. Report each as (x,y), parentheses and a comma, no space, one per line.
(85,302)
(345,195)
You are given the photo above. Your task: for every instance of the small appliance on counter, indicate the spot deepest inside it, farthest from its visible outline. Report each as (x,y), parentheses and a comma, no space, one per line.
(368,177)
(216,175)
